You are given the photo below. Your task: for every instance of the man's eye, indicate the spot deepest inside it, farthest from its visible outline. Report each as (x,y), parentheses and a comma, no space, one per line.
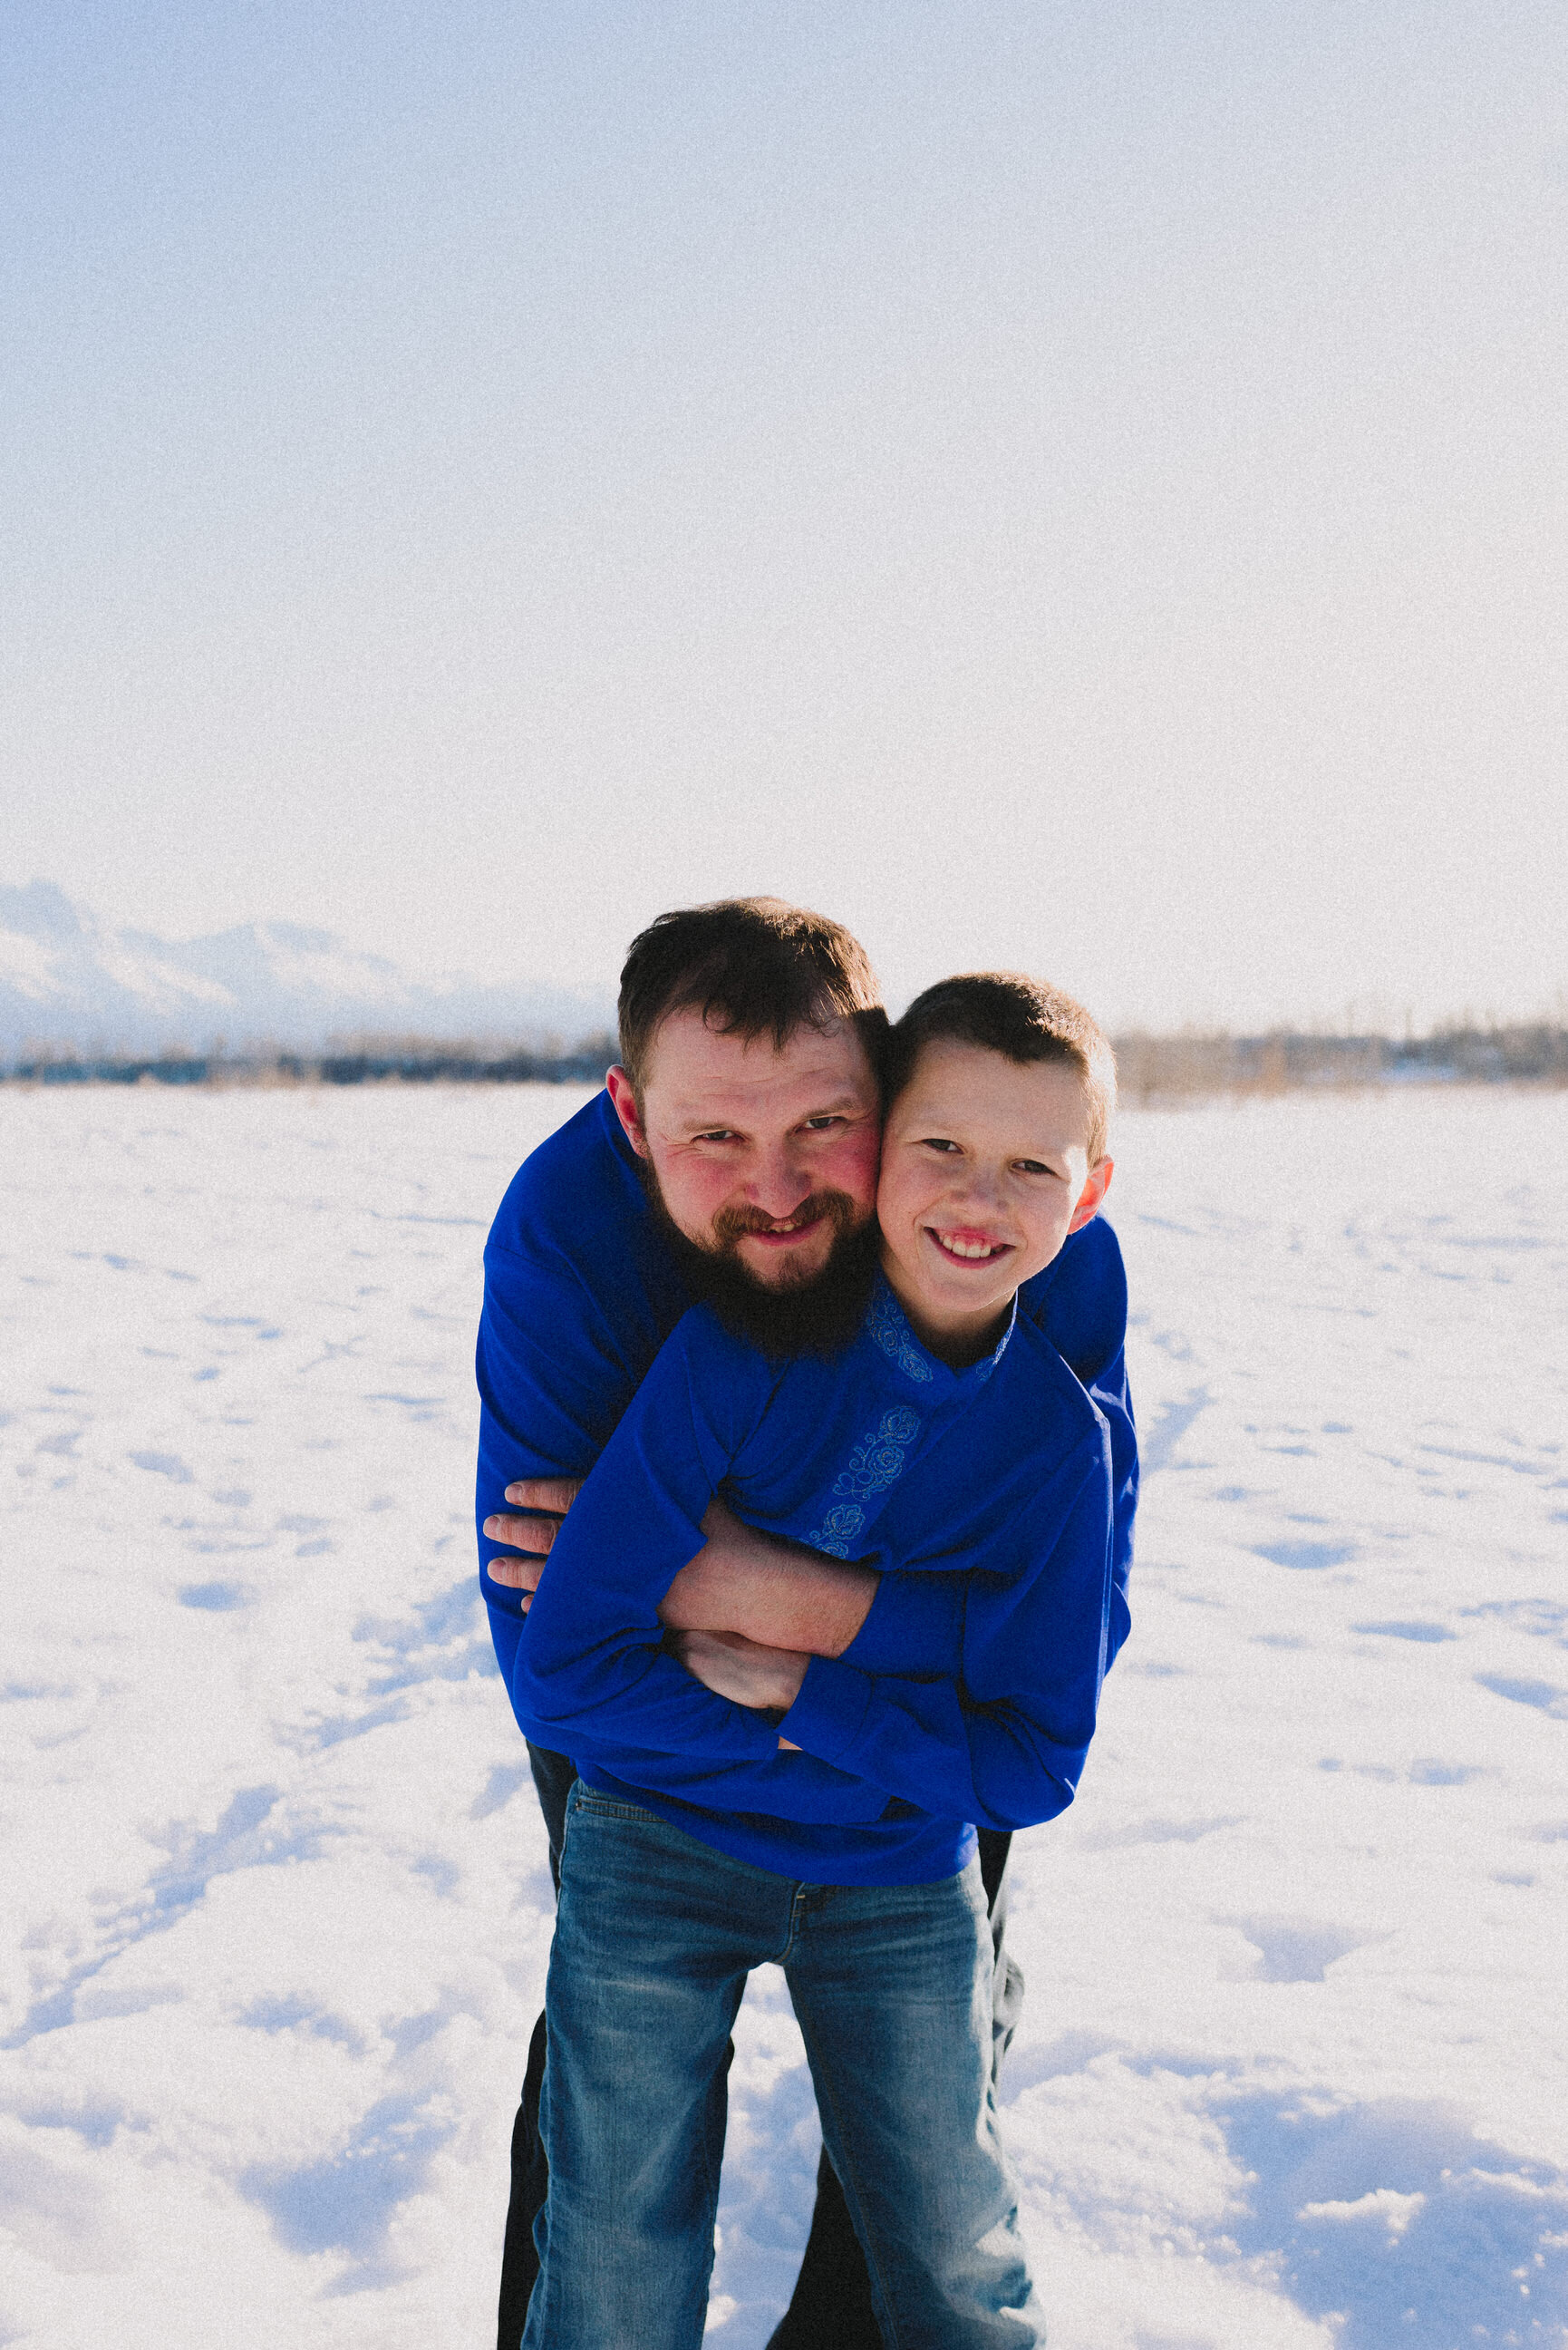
(716,1133)
(821,1125)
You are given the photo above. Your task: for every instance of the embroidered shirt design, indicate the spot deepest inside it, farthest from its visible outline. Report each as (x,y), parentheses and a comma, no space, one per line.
(877,1459)
(873,1463)
(886,1322)
(839,1529)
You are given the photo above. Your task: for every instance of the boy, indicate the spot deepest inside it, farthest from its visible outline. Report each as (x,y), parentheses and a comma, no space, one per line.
(768,1804)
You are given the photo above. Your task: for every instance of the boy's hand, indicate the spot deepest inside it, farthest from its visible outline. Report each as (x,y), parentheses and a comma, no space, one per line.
(766,1680)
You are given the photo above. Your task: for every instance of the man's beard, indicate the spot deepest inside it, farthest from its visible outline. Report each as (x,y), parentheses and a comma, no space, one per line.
(814,1314)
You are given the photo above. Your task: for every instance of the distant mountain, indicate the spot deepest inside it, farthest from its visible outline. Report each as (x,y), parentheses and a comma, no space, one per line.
(67,980)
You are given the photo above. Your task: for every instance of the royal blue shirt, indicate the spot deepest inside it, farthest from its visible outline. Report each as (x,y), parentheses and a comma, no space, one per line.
(991,1487)
(581,1291)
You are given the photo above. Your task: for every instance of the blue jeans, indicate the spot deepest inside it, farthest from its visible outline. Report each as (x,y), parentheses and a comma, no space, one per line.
(655,1936)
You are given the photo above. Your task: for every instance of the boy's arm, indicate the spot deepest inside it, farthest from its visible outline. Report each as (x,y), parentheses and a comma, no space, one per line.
(763,1589)
(781,1594)
(550,1401)
(589,1671)
(552,1385)
(1002,1743)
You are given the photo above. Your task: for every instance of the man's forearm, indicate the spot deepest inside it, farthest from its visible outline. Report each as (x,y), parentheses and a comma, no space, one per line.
(778,1594)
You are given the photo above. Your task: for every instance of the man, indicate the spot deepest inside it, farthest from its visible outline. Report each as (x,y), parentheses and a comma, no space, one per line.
(733,1156)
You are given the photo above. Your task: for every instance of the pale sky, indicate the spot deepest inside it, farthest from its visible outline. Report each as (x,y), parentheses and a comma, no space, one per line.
(1068,485)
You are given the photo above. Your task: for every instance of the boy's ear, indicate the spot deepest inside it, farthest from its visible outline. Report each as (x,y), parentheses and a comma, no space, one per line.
(1093,1192)
(619,1086)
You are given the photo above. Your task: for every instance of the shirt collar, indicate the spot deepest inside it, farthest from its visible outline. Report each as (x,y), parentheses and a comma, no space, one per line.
(887,1326)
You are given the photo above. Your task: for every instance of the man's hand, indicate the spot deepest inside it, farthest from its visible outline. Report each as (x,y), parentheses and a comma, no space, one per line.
(535,1534)
(747,1673)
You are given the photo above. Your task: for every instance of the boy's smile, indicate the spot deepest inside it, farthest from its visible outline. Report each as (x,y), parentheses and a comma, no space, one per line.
(985,1172)
(968,1248)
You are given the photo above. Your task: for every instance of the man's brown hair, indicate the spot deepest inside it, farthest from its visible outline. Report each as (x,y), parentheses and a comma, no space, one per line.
(753,967)
(1022,1019)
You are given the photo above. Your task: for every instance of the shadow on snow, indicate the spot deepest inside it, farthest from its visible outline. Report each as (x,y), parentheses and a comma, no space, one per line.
(1396,2216)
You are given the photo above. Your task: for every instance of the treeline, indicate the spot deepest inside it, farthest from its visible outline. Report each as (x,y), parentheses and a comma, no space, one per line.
(1152,1068)
(1159,1069)
(373,1061)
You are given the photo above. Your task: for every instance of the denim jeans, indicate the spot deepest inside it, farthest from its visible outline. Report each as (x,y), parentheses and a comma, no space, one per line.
(830,2308)
(891,1984)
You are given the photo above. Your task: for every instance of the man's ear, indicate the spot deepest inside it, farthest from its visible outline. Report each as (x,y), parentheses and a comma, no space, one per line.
(618,1085)
(1093,1192)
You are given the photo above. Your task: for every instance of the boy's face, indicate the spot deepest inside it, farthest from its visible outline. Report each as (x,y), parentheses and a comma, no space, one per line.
(985,1172)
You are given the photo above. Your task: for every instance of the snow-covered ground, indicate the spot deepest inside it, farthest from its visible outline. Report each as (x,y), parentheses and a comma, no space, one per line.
(1292,2070)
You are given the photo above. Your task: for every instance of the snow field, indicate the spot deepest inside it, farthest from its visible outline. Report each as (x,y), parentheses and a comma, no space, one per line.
(1291,2071)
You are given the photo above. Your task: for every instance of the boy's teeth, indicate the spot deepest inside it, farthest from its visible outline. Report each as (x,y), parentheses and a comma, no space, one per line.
(965,1248)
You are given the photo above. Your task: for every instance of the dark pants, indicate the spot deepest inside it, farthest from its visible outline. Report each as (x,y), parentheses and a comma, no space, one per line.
(831,2308)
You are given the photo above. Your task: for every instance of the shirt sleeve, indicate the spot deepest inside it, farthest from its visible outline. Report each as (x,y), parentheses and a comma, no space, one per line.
(589,1675)
(1080,1303)
(1002,1743)
(914,1625)
(552,1386)
(1111,1397)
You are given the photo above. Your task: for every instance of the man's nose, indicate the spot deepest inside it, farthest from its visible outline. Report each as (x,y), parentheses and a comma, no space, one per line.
(777,1182)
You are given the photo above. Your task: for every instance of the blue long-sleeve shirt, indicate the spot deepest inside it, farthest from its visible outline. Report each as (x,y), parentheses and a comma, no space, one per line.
(992,1488)
(581,1291)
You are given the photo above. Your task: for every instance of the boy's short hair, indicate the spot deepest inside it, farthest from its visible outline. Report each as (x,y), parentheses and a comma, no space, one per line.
(1022,1019)
(753,967)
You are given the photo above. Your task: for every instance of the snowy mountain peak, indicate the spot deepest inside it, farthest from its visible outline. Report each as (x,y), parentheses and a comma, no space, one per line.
(67,979)
(41,912)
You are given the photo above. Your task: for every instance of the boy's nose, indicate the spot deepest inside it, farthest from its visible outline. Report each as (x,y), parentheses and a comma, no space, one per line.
(977,1189)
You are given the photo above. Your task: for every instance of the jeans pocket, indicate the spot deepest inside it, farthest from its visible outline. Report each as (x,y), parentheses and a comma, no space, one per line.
(589,1799)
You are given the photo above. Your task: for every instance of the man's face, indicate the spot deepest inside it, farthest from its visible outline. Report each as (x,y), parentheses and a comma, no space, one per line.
(762,1154)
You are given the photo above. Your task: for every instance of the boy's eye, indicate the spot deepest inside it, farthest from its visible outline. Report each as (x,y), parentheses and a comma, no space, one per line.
(936,1143)
(1035,1167)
